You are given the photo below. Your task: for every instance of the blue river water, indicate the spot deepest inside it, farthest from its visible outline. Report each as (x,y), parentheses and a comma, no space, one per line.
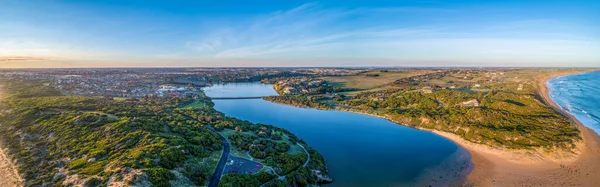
(579,94)
(360,150)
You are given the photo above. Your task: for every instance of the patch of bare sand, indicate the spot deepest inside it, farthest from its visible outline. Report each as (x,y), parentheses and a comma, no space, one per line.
(496,167)
(9,175)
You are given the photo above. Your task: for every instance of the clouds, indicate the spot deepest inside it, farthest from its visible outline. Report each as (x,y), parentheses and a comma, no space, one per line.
(287,34)
(312,31)
(294,32)
(263,34)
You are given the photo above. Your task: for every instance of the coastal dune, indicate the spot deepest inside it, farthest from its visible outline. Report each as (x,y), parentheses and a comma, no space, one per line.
(9,175)
(497,167)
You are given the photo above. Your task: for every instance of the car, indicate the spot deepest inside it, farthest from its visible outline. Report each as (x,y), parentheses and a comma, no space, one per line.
(259,166)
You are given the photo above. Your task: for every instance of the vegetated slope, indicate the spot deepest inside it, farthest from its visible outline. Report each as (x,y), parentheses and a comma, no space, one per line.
(71,140)
(505,114)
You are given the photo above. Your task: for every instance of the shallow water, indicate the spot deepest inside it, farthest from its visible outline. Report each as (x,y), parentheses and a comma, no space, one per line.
(360,150)
(579,95)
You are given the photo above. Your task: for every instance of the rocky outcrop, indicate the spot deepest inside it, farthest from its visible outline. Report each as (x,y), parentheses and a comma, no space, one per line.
(322,178)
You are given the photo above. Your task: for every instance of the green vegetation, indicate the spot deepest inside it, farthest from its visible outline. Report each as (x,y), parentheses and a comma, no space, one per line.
(235,180)
(62,140)
(159,176)
(302,101)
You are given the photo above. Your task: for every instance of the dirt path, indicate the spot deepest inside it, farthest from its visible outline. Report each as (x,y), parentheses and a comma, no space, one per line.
(9,176)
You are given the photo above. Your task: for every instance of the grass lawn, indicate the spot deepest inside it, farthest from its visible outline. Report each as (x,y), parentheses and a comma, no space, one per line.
(227,132)
(195,104)
(295,149)
(239,153)
(119,98)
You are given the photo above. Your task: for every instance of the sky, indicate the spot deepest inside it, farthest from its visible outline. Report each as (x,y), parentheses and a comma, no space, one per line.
(211,33)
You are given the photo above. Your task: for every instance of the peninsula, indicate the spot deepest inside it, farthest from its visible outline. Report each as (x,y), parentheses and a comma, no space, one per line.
(516,135)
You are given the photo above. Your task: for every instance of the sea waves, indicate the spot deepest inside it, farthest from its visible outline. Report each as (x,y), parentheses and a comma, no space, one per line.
(579,95)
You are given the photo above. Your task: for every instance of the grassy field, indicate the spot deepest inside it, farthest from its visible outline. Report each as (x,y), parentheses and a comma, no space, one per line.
(363,82)
(371,83)
(119,98)
(464,79)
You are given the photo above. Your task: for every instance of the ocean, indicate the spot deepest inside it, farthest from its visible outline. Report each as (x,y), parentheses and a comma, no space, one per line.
(578,94)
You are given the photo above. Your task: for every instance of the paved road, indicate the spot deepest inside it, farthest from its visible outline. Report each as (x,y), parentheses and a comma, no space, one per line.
(308,154)
(216,177)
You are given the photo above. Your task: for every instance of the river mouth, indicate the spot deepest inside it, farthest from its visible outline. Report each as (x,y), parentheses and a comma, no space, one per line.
(359,150)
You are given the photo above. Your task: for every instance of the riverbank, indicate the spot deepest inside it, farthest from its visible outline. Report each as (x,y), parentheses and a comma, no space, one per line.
(510,168)
(9,175)
(493,166)
(497,166)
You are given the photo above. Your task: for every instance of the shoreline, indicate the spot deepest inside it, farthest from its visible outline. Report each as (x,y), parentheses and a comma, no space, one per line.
(509,167)
(492,166)
(493,169)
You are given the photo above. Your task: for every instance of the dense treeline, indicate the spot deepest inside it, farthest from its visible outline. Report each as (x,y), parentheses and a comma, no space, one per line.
(303,101)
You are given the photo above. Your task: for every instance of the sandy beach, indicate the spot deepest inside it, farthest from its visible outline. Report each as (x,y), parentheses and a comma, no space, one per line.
(508,167)
(9,176)
(496,167)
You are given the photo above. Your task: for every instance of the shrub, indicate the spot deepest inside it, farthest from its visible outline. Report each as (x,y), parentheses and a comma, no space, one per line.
(159,176)
(78,163)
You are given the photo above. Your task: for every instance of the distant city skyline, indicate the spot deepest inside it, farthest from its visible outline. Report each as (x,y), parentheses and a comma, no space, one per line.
(114,33)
